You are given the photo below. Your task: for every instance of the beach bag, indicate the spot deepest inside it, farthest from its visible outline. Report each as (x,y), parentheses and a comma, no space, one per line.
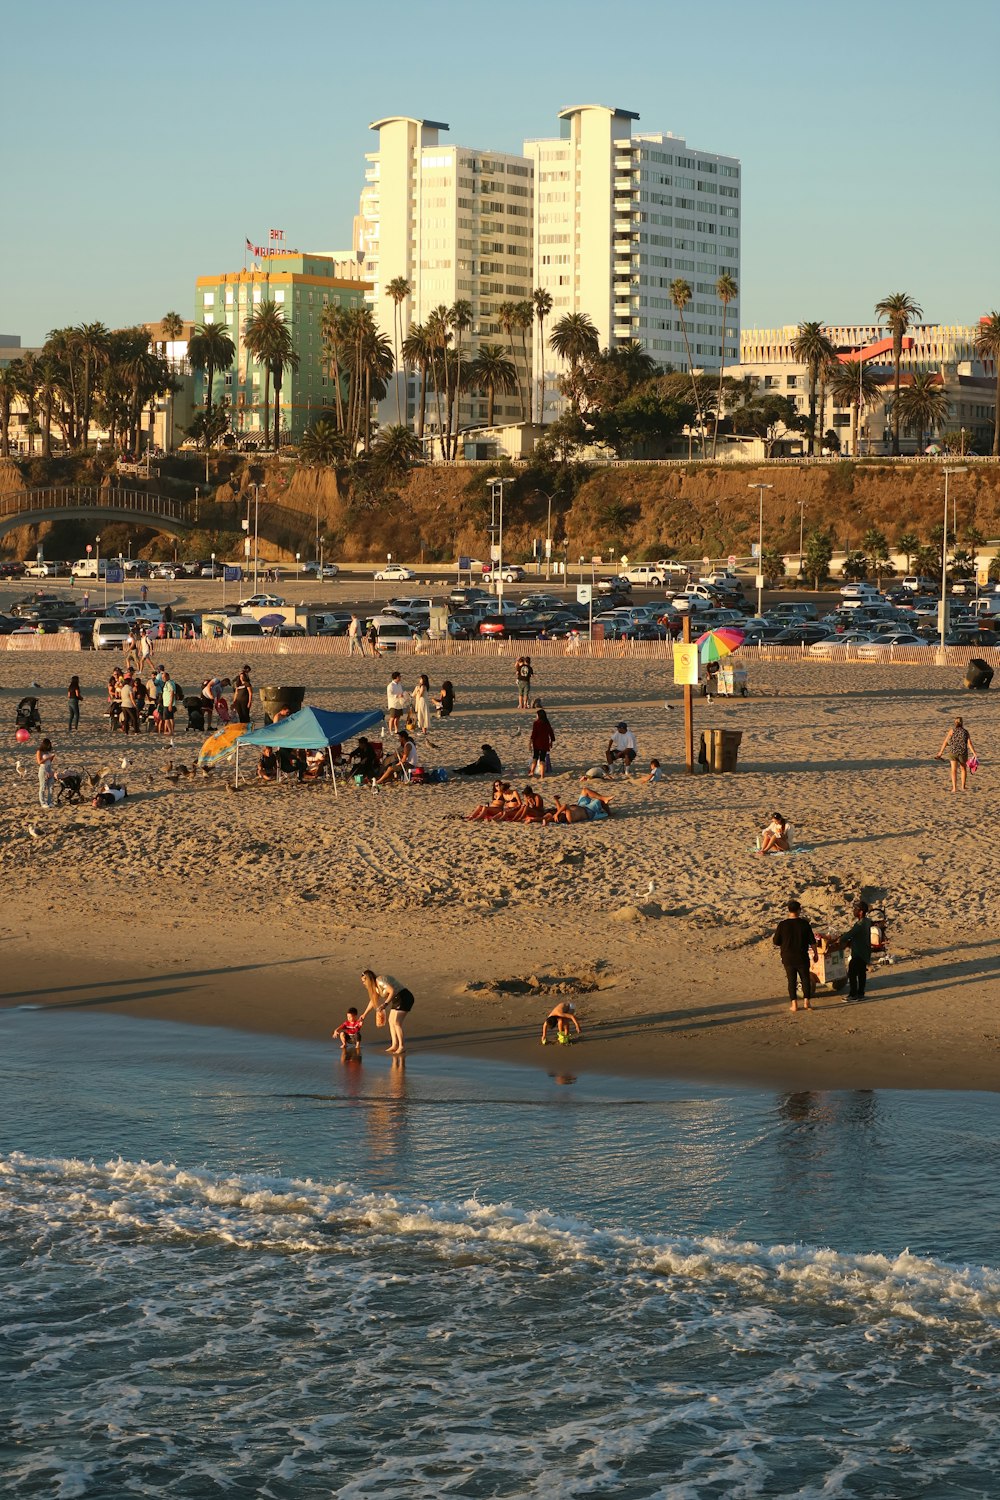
(973,763)
(380,1015)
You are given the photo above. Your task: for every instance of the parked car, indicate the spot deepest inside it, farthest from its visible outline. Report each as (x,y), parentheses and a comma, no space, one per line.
(263,601)
(46,569)
(110,634)
(871,649)
(395,572)
(800,635)
(460,596)
(839,645)
(617,584)
(391,632)
(287,630)
(313,570)
(509,573)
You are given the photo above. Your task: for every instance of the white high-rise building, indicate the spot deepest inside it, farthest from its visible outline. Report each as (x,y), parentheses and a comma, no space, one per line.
(617,218)
(456,223)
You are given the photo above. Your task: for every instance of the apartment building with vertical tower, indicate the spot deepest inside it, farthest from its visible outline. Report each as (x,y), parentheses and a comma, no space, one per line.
(456,223)
(618,216)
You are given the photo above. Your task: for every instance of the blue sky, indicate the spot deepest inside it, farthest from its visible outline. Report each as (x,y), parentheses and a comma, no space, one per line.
(145,142)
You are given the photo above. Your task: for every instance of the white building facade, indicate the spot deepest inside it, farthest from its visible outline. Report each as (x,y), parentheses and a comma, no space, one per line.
(619,216)
(456,223)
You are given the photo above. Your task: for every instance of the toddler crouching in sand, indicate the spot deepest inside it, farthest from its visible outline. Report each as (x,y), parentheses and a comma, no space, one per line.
(348,1034)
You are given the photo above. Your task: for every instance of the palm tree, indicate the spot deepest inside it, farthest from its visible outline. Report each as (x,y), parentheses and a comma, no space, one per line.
(907,542)
(491,371)
(369,362)
(988,347)
(395,450)
(49,391)
(417,355)
(91,343)
(171,326)
(211,348)
(27,375)
(439,334)
(727,291)
(284,358)
(9,390)
(922,404)
(524,317)
(335,333)
(507,317)
(460,318)
(899,311)
(61,346)
(574,338)
(680,296)
(542,303)
(265,336)
(812,348)
(324,445)
(398,289)
(852,384)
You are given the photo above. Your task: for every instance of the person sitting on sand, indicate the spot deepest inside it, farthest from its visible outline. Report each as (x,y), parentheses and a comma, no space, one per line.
(267,766)
(655,773)
(405,763)
(590,807)
(363,759)
(774,838)
(559,1020)
(316,764)
(444,701)
(621,746)
(532,809)
(498,806)
(348,1033)
(488,764)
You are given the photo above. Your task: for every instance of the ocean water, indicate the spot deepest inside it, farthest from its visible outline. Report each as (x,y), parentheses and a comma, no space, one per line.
(233,1266)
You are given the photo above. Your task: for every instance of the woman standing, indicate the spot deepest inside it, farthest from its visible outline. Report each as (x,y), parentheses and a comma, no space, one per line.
(958,746)
(542,739)
(386,993)
(523,672)
(45,756)
(74,695)
(243,696)
(421,704)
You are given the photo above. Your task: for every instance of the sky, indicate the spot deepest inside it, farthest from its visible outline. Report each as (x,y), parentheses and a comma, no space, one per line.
(145,143)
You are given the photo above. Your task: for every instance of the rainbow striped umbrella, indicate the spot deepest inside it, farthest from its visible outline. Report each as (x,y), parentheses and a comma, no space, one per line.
(715,644)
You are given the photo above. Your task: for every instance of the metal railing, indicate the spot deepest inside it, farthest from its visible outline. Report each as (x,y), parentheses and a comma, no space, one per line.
(96,497)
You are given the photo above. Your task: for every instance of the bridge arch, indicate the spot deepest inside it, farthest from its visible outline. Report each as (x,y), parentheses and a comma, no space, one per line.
(93,502)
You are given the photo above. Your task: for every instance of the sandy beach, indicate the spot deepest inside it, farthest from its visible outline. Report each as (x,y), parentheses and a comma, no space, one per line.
(258,909)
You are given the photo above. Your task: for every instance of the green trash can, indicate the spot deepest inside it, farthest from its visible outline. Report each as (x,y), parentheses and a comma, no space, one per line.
(729,748)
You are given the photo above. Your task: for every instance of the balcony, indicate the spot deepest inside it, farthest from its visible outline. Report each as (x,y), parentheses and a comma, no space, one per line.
(623,164)
(623,226)
(623,184)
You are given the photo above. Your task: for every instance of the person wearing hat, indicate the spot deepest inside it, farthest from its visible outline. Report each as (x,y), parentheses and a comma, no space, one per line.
(621,746)
(558,1020)
(859,940)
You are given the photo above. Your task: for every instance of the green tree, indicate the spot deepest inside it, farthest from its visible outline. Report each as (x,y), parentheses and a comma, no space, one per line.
(398,289)
(394,451)
(818,556)
(645,424)
(91,343)
(727,291)
(460,318)
(680,296)
(574,338)
(922,405)
(524,317)
(766,417)
(772,565)
(899,311)
(988,347)
(875,545)
(27,376)
(369,363)
(334,330)
(267,339)
(48,398)
(9,391)
(542,302)
(907,542)
(855,567)
(508,317)
(211,348)
(492,371)
(927,562)
(324,445)
(851,384)
(812,347)
(417,355)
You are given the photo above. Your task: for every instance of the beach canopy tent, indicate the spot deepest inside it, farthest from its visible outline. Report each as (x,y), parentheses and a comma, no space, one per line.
(308,730)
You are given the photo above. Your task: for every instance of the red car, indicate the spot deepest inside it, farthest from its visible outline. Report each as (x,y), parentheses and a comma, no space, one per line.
(494,625)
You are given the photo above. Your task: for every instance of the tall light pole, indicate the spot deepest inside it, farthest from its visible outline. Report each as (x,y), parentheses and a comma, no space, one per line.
(97,539)
(548,535)
(760,488)
(256,513)
(947,471)
(496,528)
(802,522)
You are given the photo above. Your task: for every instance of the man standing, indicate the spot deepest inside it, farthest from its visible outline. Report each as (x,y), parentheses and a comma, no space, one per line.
(796,941)
(354,636)
(621,746)
(397,699)
(859,940)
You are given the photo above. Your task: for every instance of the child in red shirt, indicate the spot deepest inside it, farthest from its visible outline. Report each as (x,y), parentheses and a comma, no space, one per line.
(348,1033)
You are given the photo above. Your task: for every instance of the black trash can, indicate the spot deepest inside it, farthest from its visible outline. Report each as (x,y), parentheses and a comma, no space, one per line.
(978,674)
(275,699)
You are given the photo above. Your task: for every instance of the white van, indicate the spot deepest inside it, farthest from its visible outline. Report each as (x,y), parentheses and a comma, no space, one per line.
(391,630)
(241,628)
(988,608)
(110,635)
(87,567)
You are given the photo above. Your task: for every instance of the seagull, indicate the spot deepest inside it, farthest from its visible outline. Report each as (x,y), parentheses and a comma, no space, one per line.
(93,778)
(36,684)
(18,768)
(124,762)
(33,831)
(183,771)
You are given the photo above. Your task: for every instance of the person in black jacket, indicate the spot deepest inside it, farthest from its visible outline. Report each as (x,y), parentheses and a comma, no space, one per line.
(796,941)
(488,764)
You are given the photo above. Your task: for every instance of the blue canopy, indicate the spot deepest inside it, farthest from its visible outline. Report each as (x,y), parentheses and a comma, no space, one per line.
(310,728)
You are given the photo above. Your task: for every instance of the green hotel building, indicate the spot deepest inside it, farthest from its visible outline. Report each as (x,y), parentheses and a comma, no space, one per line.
(303,286)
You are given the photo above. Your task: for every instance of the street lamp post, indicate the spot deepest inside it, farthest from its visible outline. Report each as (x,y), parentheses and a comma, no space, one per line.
(760,488)
(496,527)
(256,516)
(97,539)
(802,521)
(947,471)
(322,544)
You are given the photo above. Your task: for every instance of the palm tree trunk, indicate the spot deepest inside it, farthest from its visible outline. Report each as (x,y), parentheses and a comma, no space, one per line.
(822,410)
(422,418)
(277,405)
(338,395)
(541,374)
(527,371)
(437,397)
(5,430)
(47,430)
(722,366)
(86,400)
(897,354)
(694,383)
(813,375)
(368,409)
(395,357)
(996,418)
(855,428)
(267,400)
(490,393)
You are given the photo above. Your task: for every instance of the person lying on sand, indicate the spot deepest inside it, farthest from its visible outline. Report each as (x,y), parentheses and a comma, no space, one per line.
(774,838)
(590,807)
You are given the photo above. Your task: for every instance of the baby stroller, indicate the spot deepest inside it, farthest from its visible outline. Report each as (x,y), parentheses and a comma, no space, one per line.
(27,716)
(880,936)
(196,714)
(70,783)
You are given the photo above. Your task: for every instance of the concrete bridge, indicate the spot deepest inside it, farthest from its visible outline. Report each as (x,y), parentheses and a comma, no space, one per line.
(291,530)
